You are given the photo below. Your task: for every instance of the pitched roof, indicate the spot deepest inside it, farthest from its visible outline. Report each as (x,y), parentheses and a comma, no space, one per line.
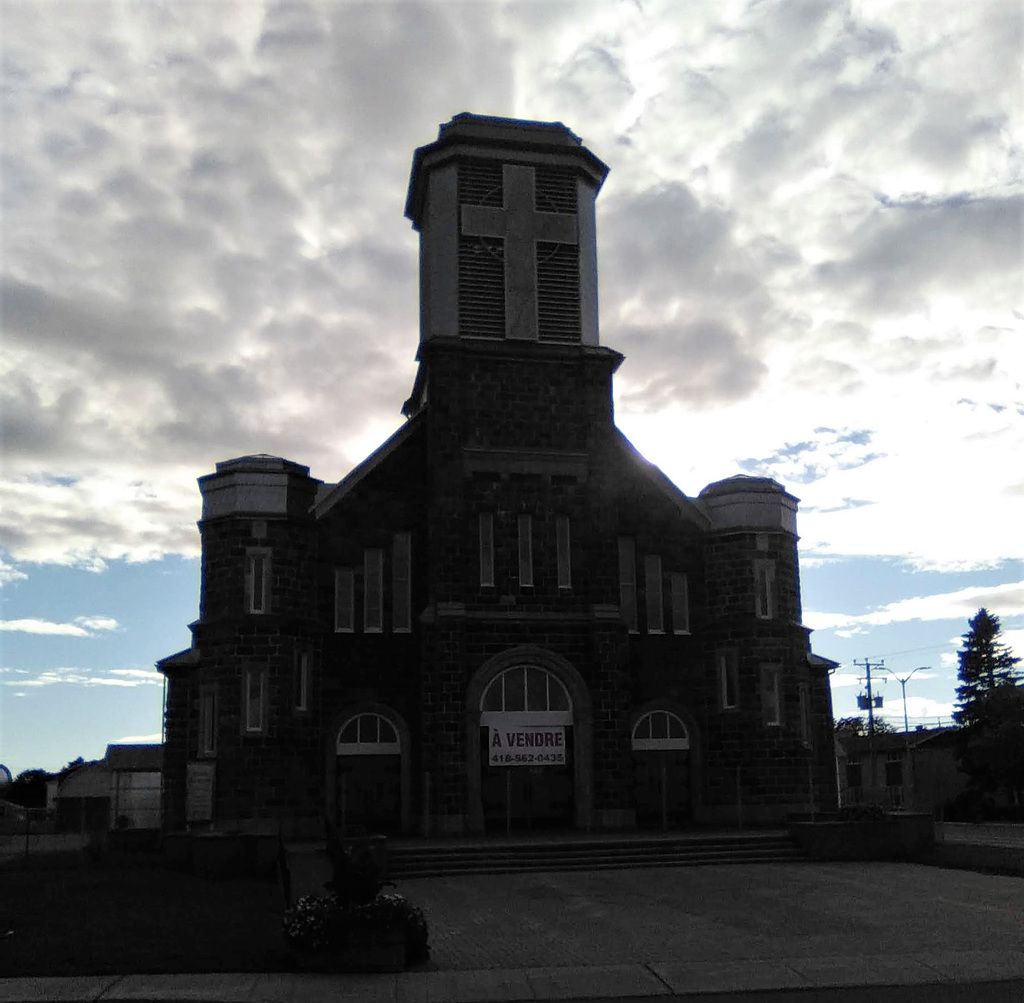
(135,757)
(327,500)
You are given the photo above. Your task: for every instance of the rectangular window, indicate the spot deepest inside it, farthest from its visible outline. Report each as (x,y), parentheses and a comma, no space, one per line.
(257,581)
(344,595)
(764,602)
(680,603)
(254,700)
(207,721)
(854,774)
(653,594)
(401,583)
(805,714)
(627,582)
(525,551)
(302,681)
(486,550)
(564,562)
(894,769)
(771,695)
(728,679)
(373,591)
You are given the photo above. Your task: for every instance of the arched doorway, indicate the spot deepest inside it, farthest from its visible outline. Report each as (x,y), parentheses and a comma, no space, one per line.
(368,775)
(526,724)
(661,769)
(528,731)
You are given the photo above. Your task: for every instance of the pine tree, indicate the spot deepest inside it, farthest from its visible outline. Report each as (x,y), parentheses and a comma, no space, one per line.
(986,664)
(991,710)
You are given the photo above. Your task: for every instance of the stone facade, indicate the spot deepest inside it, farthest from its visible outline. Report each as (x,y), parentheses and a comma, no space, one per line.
(506,560)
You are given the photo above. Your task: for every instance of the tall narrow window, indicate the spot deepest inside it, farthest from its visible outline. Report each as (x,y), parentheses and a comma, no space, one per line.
(728,679)
(254,700)
(564,563)
(653,594)
(373,591)
(680,603)
(207,721)
(302,681)
(257,581)
(805,714)
(627,582)
(764,602)
(525,551)
(344,589)
(486,549)
(771,695)
(401,583)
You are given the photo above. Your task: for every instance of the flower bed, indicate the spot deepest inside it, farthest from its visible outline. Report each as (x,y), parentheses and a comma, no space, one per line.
(386,934)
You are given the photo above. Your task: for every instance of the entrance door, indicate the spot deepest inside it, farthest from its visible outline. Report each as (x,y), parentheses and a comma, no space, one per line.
(526,751)
(368,798)
(661,770)
(526,798)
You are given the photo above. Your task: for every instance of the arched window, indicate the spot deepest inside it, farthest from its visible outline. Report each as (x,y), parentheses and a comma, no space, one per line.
(530,691)
(368,735)
(659,730)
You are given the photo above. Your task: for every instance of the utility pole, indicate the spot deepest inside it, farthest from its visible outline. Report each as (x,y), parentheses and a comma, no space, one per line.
(867,666)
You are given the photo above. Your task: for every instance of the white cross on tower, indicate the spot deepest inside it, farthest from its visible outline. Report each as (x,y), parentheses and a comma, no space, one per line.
(521,226)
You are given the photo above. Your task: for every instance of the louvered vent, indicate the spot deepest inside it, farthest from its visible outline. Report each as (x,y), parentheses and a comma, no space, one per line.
(481,259)
(556,190)
(558,265)
(558,292)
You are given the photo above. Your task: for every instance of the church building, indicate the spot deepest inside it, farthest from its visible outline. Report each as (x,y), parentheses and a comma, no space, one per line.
(505,618)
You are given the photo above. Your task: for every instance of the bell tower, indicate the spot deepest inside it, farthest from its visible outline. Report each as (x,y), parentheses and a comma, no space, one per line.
(508,249)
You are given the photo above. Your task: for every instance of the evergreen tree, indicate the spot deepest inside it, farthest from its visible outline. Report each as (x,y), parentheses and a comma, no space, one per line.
(991,710)
(986,663)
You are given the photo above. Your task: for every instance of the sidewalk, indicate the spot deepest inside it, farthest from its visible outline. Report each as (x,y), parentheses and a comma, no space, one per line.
(666,980)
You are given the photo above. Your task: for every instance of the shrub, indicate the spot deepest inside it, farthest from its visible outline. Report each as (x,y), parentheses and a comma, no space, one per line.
(319,923)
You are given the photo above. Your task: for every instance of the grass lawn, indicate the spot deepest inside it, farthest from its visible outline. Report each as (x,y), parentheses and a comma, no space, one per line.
(67,915)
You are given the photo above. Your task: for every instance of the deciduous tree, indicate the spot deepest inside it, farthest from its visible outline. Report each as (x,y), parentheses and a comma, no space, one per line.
(859,726)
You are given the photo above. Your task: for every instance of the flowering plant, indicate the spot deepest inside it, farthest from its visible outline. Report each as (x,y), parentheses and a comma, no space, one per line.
(318,923)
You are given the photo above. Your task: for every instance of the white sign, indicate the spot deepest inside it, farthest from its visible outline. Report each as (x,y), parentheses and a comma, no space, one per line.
(527,745)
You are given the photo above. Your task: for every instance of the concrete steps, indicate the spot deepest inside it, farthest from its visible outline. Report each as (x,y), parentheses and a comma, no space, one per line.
(422,860)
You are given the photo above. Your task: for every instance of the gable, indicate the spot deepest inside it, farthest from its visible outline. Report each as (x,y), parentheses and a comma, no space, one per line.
(380,458)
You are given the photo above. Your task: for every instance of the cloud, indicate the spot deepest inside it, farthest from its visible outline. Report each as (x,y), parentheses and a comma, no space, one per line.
(1001,600)
(805,226)
(83,626)
(87,677)
(9,573)
(813,459)
(153,739)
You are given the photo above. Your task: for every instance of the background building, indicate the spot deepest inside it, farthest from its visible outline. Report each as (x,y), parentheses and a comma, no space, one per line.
(505,616)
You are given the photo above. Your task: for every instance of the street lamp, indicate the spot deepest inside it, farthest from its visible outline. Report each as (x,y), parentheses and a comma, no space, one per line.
(902,680)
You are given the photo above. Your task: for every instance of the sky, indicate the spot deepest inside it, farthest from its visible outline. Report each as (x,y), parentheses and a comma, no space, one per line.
(810,253)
